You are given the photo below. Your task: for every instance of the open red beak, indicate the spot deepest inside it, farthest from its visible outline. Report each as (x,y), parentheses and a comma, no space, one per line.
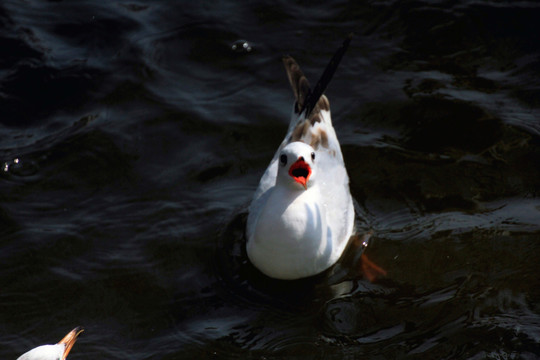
(300,172)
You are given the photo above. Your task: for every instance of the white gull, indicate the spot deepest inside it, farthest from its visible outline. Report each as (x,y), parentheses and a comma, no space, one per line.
(53,352)
(302,216)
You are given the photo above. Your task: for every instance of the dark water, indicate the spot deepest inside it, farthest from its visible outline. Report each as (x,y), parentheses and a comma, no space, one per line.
(132,136)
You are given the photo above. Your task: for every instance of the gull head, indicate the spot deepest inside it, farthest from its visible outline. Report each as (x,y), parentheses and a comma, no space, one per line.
(54,352)
(296,167)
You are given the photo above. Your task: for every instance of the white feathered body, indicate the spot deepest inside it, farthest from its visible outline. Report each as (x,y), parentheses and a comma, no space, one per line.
(54,352)
(44,352)
(293,234)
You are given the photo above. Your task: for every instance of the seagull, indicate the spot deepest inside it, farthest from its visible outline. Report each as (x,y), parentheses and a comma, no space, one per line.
(54,352)
(301,216)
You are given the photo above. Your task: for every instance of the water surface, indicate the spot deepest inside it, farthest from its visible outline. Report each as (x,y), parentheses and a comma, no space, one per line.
(133,135)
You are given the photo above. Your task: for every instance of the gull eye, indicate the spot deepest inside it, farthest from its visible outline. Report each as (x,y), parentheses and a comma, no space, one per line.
(283,159)
(312,156)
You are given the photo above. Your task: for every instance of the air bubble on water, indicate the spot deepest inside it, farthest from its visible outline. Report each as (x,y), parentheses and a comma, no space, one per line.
(10,165)
(18,167)
(241,46)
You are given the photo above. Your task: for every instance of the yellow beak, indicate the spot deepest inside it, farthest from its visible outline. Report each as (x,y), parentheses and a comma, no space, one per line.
(69,340)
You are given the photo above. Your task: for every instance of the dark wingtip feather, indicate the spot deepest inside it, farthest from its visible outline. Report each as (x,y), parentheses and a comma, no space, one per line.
(314,96)
(299,82)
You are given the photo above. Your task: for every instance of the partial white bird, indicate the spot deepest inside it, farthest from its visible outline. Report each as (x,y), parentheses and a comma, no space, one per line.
(302,216)
(54,352)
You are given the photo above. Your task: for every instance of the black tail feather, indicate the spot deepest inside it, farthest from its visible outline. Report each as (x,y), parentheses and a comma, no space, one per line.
(313,96)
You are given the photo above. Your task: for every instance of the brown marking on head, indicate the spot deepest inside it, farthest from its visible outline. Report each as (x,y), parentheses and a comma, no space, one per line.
(315,118)
(300,130)
(323,103)
(319,138)
(324,138)
(315,141)
(297,132)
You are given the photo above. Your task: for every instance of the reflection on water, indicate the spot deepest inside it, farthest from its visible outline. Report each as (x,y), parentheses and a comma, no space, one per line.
(133,135)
